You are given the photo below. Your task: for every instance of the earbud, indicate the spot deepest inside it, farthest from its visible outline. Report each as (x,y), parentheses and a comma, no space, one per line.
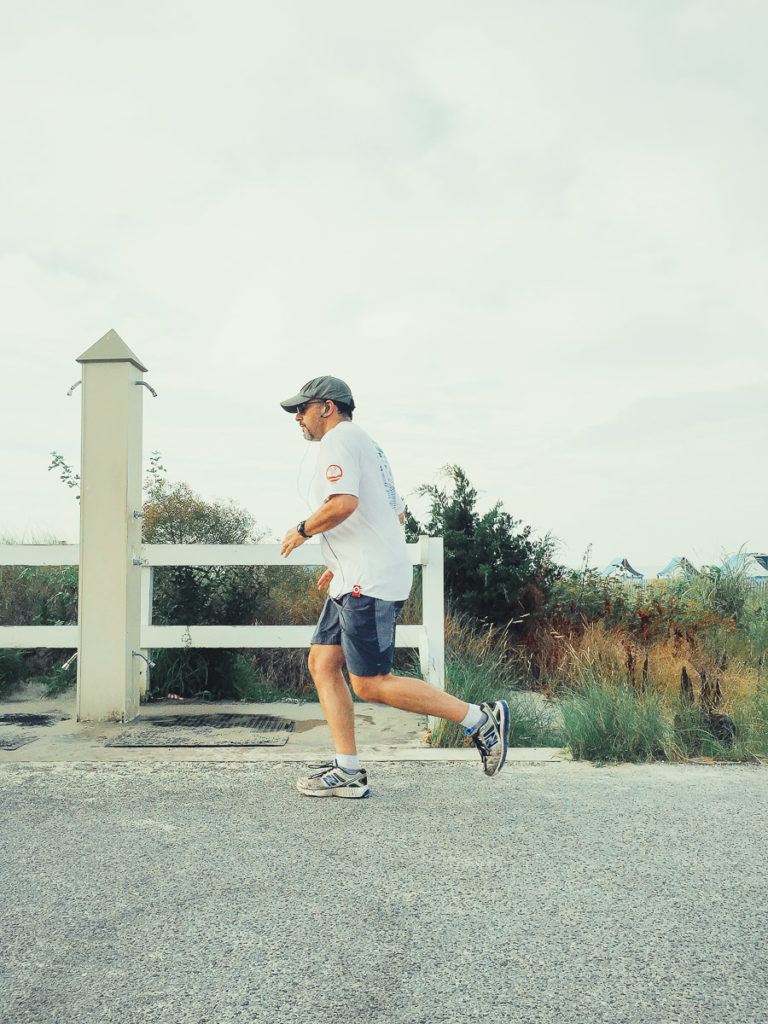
(326,411)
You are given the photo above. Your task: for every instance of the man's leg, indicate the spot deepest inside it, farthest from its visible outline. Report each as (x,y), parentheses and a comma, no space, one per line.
(325,661)
(367,636)
(409,695)
(344,777)
(368,642)
(490,730)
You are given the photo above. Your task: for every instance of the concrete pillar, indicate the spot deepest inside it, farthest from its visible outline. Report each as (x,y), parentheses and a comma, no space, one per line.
(109,599)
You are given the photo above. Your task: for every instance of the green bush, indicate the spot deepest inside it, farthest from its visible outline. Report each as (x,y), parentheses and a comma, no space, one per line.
(609,721)
(249,683)
(38,595)
(183,672)
(605,723)
(494,571)
(694,738)
(199,595)
(11,671)
(575,597)
(751,720)
(59,679)
(691,736)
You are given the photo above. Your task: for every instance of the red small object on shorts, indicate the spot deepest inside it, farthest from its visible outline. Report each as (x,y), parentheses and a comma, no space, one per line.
(356,591)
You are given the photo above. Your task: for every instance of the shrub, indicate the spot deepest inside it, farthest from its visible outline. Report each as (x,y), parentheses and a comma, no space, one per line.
(750,717)
(576,597)
(59,679)
(605,723)
(607,720)
(11,671)
(251,683)
(493,570)
(695,737)
(197,595)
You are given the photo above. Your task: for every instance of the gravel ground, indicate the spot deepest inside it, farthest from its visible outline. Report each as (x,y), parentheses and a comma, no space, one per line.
(209,893)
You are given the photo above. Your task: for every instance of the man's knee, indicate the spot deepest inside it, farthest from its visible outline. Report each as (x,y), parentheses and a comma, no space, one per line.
(367,687)
(324,658)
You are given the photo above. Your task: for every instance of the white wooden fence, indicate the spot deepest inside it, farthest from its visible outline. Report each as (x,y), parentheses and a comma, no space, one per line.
(115,631)
(427,636)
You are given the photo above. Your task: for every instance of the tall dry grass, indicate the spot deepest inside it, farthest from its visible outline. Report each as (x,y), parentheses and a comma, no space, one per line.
(607,653)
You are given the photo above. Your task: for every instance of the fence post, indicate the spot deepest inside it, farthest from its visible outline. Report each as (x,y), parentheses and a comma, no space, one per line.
(109,594)
(432,645)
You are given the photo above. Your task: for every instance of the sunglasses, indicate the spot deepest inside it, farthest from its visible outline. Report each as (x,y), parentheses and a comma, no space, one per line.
(301,409)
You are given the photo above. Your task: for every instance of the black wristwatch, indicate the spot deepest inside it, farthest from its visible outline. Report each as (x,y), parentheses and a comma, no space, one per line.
(302,531)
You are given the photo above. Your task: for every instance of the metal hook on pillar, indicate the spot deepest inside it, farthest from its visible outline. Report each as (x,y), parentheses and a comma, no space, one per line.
(73,387)
(138,654)
(143,383)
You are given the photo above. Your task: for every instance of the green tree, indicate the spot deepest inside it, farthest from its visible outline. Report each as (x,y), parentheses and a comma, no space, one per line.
(493,570)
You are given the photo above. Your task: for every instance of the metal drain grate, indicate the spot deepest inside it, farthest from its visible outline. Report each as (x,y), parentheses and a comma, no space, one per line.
(27,718)
(14,742)
(212,730)
(262,723)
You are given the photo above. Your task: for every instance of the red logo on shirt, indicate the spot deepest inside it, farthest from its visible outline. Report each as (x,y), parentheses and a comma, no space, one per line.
(334,474)
(356,591)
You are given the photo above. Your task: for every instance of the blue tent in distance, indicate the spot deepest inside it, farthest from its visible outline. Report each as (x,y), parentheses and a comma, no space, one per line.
(677,567)
(620,569)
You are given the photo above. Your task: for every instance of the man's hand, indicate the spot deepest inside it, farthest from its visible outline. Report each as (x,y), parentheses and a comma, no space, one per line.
(325,579)
(292,539)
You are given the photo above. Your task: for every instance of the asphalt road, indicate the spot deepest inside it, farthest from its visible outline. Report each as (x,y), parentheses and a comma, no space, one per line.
(209,893)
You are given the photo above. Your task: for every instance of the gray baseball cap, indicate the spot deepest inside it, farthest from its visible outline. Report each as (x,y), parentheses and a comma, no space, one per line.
(321,387)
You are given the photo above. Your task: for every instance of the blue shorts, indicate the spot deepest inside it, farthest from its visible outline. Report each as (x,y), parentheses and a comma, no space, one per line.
(365,629)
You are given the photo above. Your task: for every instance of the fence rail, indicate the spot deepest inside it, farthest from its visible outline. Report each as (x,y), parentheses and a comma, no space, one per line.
(428,636)
(39,554)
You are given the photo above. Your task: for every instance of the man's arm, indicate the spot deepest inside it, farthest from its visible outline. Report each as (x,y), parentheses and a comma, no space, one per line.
(335,510)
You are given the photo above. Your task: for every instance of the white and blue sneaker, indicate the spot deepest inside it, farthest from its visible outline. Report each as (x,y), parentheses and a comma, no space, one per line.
(331,780)
(492,737)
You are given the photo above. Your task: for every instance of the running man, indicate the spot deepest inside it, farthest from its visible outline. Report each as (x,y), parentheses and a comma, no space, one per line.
(369,574)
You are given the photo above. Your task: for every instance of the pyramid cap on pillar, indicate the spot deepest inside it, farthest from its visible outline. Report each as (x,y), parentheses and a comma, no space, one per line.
(111,349)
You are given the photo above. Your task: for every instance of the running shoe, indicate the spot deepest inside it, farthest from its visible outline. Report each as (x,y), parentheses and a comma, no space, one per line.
(492,738)
(330,780)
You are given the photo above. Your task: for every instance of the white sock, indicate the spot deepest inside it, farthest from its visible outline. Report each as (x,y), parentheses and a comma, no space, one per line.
(474,718)
(349,762)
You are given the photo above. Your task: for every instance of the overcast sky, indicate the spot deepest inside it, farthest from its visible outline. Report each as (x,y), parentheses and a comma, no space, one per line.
(531,237)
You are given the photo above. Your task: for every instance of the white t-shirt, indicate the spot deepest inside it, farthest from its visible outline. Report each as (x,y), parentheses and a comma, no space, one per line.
(368,550)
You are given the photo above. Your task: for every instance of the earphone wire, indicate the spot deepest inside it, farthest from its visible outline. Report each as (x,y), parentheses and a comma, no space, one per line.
(306,498)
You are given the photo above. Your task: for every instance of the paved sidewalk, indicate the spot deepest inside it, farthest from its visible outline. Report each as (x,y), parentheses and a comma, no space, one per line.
(210,893)
(383,734)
